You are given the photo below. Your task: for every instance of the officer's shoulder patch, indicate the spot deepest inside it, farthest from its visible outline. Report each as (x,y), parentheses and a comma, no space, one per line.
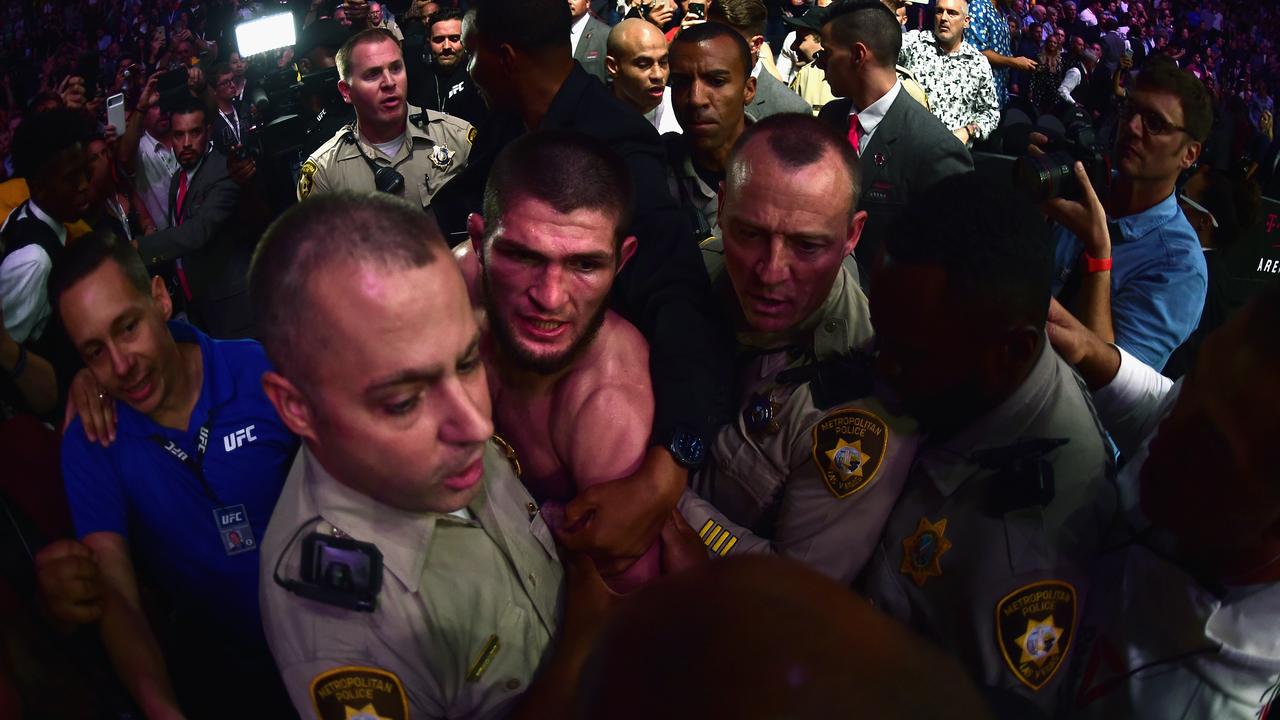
(849,446)
(1034,628)
(305,175)
(354,692)
(471,136)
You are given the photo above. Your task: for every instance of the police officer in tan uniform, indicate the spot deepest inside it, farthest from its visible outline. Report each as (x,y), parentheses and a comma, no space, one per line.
(392,146)
(407,572)
(813,463)
(989,551)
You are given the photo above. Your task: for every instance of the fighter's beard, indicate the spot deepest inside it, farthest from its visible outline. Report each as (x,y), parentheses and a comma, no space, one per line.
(524,360)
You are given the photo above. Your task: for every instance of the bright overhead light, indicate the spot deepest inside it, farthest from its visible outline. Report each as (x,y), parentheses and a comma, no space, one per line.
(267,33)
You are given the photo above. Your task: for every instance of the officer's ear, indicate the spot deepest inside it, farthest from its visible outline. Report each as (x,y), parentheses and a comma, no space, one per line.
(290,404)
(611,65)
(344,89)
(856,223)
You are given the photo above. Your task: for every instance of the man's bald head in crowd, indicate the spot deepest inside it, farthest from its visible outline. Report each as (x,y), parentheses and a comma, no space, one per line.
(637,62)
(764,637)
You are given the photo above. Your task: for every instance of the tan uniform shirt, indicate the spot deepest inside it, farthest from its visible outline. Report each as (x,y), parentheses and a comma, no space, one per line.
(815,483)
(984,562)
(436,149)
(465,616)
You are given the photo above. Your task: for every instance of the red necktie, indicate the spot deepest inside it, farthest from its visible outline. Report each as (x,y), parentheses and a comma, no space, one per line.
(855,131)
(182,194)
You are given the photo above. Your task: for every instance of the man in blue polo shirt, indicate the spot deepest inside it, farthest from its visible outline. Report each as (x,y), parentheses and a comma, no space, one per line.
(1157,274)
(186,489)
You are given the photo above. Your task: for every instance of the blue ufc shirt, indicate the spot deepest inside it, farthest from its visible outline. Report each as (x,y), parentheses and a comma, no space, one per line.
(193,522)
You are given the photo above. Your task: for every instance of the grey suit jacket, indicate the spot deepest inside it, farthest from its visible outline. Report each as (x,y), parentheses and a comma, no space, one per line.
(909,152)
(215,256)
(772,97)
(592,48)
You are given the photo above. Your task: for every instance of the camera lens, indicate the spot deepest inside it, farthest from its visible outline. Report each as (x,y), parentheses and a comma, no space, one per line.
(1045,177)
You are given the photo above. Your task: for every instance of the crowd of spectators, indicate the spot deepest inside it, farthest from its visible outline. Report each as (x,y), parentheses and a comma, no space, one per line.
(763,237)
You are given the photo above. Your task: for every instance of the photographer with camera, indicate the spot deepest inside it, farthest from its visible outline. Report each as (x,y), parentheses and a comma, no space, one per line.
(392,146)
(1157,275)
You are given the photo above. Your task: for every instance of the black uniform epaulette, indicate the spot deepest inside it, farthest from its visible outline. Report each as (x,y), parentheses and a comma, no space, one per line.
(1023,477)
(420,119)
(834,381)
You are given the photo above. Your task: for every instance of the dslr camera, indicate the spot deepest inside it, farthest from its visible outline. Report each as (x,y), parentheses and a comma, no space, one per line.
(1051,175)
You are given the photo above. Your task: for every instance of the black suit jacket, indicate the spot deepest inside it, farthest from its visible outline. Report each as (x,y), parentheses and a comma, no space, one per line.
(663,290)
(215,256)
(909,152)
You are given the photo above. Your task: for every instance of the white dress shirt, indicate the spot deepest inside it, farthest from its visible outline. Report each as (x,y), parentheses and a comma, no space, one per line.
(870,117)
(575,32)
(24,280)
(156,166)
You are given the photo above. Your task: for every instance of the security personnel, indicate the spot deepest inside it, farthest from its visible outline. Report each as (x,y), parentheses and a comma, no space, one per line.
(406,571)
(711,85)
(812,465)
(989,551)
(392,146)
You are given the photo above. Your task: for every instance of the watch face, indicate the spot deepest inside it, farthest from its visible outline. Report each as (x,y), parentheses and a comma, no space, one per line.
(688,449)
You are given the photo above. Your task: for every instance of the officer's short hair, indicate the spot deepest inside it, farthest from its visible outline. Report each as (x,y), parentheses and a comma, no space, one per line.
(443,15)
(797,141)
(997,256)
(565,169)
(526,25)
(43,135)
(322,230)
(87,254)
(364,37)
(747,16)
(868,22)
(707,31)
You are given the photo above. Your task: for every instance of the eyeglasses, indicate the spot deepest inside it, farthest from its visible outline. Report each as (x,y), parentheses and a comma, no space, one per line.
(1153,123)
(228,81)
(1197,206)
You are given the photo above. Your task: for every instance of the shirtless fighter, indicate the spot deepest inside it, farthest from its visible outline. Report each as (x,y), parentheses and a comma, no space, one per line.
(569,377)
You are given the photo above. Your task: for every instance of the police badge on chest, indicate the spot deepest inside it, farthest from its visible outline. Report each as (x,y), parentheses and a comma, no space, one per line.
(441,157)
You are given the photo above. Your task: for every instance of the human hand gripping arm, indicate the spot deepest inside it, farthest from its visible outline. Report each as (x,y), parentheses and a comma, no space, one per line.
(127,634)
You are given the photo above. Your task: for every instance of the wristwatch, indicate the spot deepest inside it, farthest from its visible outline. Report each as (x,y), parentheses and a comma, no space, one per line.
(689,450)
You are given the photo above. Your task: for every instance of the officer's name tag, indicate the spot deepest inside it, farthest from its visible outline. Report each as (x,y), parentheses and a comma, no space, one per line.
(233,527)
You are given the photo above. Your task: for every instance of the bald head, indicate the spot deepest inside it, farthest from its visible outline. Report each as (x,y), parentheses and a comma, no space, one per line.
(765,637)
(637,63)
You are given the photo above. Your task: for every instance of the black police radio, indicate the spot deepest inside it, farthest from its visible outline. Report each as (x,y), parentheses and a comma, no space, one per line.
(337,571)
(385,178)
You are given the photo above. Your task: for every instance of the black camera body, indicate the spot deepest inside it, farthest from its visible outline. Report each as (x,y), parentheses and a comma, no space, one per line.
(1051,175)
(340,571)
(172,87)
